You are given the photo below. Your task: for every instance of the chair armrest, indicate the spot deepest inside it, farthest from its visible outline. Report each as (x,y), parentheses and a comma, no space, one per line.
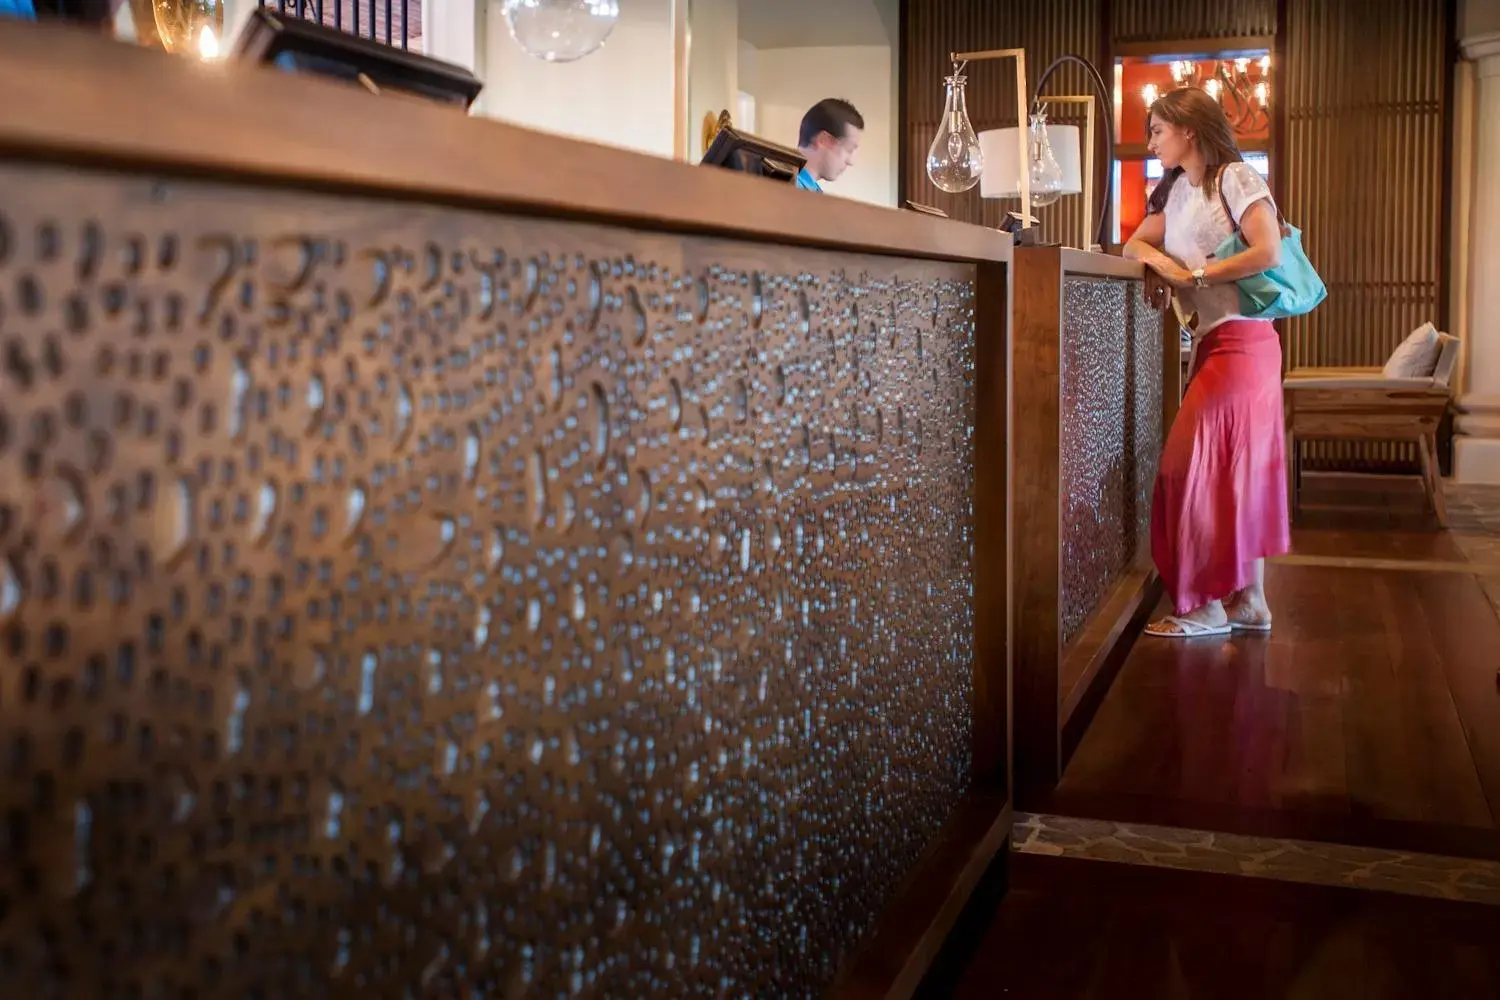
(1355,381)
(1365,371)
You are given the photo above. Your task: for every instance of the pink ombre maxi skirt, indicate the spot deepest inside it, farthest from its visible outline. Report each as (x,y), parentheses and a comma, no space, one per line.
(1220,500)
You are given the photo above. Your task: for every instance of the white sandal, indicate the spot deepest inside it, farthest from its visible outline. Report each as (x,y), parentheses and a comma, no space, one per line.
(1173,627)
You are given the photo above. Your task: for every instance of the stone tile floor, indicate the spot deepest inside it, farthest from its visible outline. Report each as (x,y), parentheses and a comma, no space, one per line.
(1437,877)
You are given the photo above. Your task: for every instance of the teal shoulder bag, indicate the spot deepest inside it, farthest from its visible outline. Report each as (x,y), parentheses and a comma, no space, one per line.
(1291,288)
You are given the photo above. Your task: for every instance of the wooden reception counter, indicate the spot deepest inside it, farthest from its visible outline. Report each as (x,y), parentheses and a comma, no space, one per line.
(1096,387)
(442,559)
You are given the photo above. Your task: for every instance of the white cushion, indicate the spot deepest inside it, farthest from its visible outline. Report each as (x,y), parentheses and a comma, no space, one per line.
(1417,356)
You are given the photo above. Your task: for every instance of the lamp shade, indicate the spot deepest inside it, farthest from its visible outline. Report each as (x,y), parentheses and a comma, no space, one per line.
(1002,174)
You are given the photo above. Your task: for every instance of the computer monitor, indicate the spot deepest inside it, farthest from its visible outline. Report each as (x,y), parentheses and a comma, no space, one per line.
(301,46)
(736,150)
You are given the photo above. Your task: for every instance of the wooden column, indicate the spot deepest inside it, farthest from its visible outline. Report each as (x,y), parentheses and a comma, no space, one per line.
(1096,381)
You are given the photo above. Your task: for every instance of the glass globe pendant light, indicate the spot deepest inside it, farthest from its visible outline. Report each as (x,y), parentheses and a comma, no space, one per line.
(954,160)
(560,30)
(190,27)
(1046,172)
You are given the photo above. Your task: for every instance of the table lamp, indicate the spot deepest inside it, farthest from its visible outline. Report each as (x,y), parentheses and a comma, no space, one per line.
(959,159)
(1055,169)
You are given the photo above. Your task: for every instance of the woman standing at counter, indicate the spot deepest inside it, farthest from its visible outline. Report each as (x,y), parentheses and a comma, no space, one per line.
(1220,505)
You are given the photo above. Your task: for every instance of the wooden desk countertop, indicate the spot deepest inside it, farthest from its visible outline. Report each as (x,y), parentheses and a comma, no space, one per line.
(81,98)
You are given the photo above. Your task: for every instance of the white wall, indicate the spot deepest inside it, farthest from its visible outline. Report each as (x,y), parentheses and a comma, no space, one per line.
(713,65)
(788,81)
(749,65)
(620,95)
(453,30)
(623,94)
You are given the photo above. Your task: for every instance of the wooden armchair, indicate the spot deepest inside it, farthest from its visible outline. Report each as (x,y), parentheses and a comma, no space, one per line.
(1363,404)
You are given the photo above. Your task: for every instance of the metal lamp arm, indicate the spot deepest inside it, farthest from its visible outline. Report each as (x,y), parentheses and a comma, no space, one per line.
(1106,113)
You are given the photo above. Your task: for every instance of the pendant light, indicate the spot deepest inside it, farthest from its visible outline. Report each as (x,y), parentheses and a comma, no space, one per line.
(560,30)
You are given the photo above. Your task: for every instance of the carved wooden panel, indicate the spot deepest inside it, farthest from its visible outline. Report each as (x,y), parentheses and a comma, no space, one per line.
(1111,438)
(399,601)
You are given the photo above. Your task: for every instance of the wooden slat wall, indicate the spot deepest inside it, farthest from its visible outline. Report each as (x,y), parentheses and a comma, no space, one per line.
(1365,86)
(933,29)
(1359,165)
(1157,20)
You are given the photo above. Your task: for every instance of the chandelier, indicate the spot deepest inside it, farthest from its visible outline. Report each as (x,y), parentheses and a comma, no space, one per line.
(1242,87)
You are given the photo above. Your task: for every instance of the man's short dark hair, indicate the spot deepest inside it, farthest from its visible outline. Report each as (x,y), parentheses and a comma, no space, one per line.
(833,115)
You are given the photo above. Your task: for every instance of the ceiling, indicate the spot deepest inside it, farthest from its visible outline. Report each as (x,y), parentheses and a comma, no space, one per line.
(790,24)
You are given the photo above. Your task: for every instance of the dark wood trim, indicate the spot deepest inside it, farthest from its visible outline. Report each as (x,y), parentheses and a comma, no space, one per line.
(1277,150)
(79,98)
(1094,659)
(1043,711)
(1085,264)
(1093,265)
(1194,48)
(1036,519)
(903,103)
(1278,100)
(1445,232)
(1106,67)
(907,941)
(1445,225)
(994,555)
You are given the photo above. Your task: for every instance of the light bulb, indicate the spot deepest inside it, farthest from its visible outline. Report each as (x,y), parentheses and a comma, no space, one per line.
(1212,86)
(1265,64)
(1149,94)
(208,43)
(560,30)
(1046,173)
(1241,66)
(954,161)
(180,24)
(1262,93)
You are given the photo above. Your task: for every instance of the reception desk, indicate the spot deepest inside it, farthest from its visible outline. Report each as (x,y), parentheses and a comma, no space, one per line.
(446,560)
(1097,383)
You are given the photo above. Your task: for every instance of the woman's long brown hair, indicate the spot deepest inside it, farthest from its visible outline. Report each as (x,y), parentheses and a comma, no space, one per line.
(1192,110)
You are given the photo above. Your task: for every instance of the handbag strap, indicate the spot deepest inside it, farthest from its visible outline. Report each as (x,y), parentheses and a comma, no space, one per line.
(1280,219)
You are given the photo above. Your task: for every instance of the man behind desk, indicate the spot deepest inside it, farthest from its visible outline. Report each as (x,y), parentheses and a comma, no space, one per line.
(829,139)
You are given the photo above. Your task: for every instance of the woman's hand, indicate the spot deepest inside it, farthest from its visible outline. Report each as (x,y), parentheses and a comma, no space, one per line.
(1162,272)
(1158,291)
(1170,271)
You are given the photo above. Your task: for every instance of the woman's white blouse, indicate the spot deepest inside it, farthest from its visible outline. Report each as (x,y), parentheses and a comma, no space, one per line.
(1197,226)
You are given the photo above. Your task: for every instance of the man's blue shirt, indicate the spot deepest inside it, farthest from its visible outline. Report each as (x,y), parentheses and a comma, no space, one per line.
(805,179)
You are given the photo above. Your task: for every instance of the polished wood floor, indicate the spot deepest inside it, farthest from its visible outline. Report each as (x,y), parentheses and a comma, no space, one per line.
(1080,930)
(1371,715)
